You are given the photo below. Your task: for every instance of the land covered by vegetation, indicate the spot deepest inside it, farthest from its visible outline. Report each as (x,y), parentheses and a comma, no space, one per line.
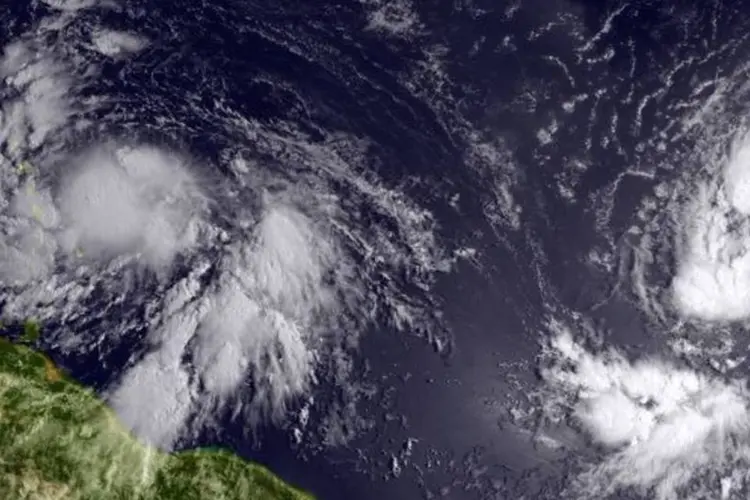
(59,441)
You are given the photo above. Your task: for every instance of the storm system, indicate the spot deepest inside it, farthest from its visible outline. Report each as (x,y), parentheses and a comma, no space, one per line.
(470,252)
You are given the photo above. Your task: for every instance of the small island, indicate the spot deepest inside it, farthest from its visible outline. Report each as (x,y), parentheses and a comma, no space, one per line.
(31,331)
(58,440)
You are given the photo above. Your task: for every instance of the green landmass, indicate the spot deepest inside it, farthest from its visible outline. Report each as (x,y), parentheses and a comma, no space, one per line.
(31,331)
(59,441)
(26,332)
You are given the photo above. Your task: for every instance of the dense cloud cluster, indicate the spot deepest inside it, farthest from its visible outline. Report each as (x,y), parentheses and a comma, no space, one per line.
(662,425)
(130,200)
(257,319)
(713,276)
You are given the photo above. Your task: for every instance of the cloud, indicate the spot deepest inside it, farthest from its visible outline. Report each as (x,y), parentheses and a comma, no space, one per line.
(138,200)
(40,103)
(253,327)
(661,425)
(27,248)
(114,43)
(392,18)
(154,398)
(713,275)
(26,253)
(31,203)
(241,341)
(70,5)
(272,294)
(737,175)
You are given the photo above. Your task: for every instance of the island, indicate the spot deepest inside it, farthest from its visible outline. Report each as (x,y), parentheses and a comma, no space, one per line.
(58,440)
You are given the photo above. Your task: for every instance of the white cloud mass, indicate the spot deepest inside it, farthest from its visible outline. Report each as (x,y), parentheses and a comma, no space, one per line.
(130,200)
(114,43)
(40,106)
(254,325)
(713,275)
(661,425)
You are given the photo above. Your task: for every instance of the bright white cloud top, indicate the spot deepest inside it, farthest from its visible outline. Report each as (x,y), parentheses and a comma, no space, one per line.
(130,200)
(662,425)
(713,275)
(114,43)
(254,327)
(737,176)
(40,106)
(70,5)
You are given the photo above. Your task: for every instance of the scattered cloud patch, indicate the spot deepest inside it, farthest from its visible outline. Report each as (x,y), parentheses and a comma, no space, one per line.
(37,104)
(114,43)
(273,287)
(392,18)
(31,203)
(26,253)
(70,5)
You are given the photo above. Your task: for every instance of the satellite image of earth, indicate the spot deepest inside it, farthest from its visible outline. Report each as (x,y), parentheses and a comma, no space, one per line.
(374,249)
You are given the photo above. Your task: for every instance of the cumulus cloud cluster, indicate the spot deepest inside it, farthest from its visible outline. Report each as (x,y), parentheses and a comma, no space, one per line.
(394,18)
(114,43)
(661,425)
(252,329)
(713,275)
(139,200)
(70,5)
(129,201)
(284,291)
(38,104)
